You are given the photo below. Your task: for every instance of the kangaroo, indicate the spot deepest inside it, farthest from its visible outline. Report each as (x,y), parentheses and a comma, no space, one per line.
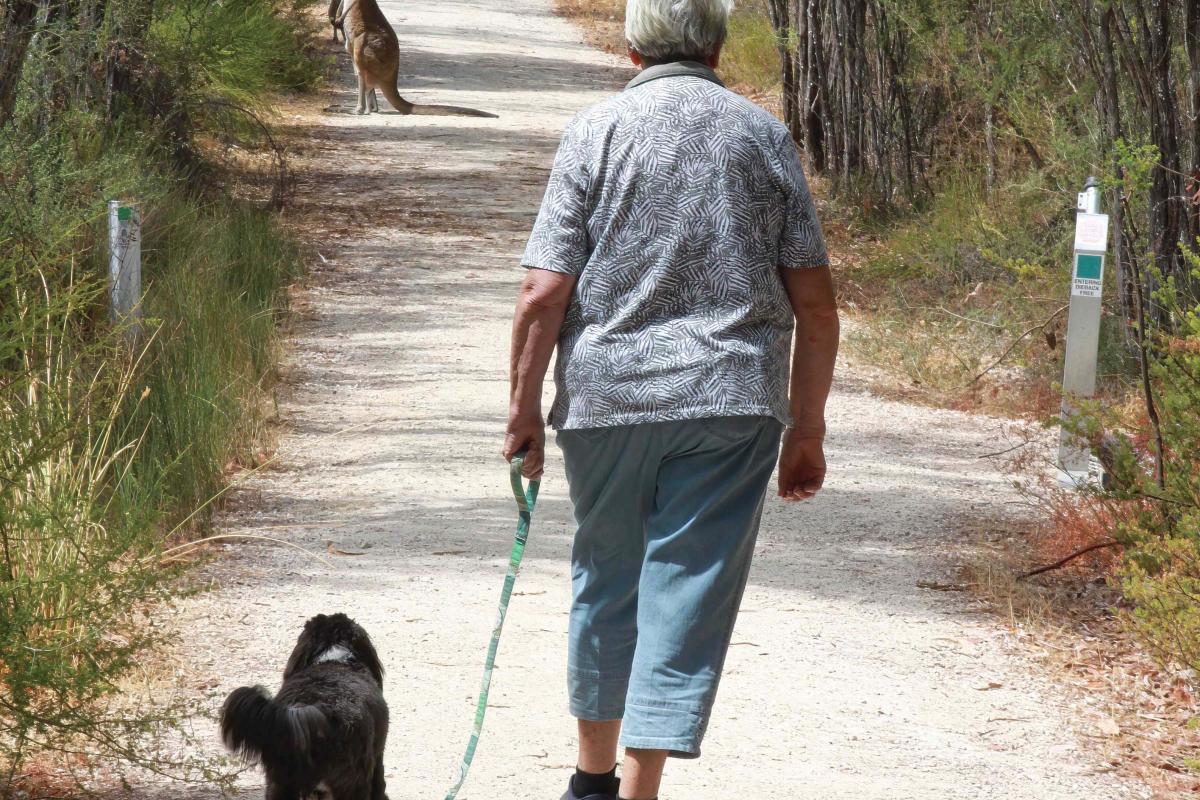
(336,18)
(375,50)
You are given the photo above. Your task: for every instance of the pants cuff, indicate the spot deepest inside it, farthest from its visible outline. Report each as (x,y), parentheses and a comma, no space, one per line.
(655,727)
(595,699)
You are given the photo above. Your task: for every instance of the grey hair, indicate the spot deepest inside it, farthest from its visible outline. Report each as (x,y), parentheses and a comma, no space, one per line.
(662,29)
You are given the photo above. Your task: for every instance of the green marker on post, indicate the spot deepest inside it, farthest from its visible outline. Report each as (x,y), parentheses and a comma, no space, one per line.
(1089,267)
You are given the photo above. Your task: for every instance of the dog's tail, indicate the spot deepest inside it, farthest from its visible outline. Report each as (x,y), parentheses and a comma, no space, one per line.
(258,728)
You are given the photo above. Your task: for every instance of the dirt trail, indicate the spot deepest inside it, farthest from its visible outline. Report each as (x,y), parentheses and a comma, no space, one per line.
(846,680)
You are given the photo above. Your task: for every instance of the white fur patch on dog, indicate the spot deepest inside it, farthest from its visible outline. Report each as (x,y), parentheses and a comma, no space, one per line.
(337,653)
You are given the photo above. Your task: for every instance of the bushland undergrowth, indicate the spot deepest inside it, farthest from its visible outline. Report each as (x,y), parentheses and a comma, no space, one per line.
(113,449)
(954,137)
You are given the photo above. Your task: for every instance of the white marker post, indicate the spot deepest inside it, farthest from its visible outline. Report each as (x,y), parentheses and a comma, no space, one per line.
(125,266)
(1083,331)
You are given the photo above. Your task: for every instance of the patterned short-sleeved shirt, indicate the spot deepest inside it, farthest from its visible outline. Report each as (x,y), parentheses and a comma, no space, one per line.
(675,203)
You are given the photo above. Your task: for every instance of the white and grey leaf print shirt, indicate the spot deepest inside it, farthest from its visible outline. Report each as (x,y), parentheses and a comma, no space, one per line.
(675,203)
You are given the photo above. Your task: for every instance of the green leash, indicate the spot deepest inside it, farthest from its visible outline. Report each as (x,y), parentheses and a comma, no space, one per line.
(526,499)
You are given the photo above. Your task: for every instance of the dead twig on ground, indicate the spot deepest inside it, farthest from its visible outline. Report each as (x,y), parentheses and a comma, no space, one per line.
(1064,561)
(1006,452)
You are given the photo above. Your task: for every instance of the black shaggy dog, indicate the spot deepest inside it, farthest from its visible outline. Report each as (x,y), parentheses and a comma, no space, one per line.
(322,736)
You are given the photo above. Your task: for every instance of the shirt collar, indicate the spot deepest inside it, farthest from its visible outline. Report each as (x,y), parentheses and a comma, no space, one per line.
(675,69)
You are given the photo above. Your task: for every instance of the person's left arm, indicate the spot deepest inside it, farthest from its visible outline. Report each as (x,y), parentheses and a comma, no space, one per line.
(808,281)
(541,307)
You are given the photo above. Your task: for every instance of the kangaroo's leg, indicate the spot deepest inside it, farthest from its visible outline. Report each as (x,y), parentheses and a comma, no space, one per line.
(335,12)
(362,94)
(341,20)
(374,102)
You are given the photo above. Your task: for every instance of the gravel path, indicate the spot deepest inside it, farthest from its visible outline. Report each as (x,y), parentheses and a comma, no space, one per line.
(846,680)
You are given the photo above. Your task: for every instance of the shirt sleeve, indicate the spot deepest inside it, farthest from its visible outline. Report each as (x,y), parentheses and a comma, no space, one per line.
(801,242)
(559,241)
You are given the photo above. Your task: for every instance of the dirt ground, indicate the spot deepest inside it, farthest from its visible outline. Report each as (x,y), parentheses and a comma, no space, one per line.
(850,675)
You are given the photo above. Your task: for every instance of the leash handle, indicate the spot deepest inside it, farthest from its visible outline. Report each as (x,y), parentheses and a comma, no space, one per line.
(526,500)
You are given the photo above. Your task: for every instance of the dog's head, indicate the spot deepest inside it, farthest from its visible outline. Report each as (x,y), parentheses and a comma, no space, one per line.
(327,634)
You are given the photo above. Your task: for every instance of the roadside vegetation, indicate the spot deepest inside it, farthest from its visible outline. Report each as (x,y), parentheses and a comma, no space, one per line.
(956,135)
(116,446)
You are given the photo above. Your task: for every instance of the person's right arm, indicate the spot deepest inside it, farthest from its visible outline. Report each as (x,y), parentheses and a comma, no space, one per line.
(541,307)
(814,302)
(556,255)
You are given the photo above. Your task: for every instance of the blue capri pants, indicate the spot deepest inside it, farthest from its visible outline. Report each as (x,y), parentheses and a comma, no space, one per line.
(668,514)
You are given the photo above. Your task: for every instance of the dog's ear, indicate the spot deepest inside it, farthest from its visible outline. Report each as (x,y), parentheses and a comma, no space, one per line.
(364,651)
(303,653)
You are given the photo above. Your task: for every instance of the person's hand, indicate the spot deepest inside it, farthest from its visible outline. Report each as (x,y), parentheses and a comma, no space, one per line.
(801,465)
(526,432)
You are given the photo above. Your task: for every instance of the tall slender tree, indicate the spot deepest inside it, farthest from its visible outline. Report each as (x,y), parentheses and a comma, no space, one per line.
(17,27)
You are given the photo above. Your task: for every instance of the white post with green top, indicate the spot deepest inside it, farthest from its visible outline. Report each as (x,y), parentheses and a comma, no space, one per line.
(125,266)
(1083,330)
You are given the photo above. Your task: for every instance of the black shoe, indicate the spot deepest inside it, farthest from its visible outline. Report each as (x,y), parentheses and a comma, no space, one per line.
(570,795)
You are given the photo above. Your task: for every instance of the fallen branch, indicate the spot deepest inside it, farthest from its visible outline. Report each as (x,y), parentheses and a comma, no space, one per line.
(1017,341)
(1064,561)
(1006,452)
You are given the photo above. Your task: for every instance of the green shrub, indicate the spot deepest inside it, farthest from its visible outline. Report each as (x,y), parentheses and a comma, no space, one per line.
(238,50)
(110,453)
(1161,525)
(217,274)
(107,450)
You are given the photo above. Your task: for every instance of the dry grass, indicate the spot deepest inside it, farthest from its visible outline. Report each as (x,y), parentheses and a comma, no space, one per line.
(1143,717)
(603,21)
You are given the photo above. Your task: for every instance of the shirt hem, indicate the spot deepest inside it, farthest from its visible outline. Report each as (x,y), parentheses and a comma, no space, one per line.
(559,268)
(573,423)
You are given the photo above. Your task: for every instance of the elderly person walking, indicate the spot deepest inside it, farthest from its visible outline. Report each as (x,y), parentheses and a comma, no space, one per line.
(676,248)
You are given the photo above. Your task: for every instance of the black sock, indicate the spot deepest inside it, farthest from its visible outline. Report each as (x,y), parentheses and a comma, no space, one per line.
(585,783)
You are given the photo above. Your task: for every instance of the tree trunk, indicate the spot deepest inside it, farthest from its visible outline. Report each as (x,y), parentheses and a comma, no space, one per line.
(1112,111)
(1166,197)
(846,97)
(785,40)
(18,28)
(819,122)
(1191,35)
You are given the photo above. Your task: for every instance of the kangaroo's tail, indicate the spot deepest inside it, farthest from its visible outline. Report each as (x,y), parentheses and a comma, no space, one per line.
(404,107)
(258,728)
(450,111)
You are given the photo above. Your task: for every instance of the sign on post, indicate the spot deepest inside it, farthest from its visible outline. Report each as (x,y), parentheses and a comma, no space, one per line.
(125,266)
(1083,331)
